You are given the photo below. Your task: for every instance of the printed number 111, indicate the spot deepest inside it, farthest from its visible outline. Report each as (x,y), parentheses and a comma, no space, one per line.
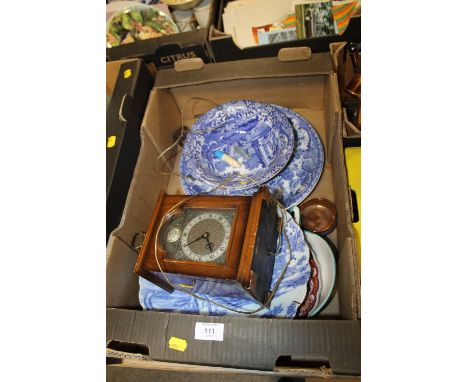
(209,331)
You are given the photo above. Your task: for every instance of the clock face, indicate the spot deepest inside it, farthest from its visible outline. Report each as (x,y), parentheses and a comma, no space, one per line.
(199,235)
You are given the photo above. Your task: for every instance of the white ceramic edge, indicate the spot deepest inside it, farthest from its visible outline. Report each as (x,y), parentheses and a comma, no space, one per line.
(116,6)
(322,302)
(297,214)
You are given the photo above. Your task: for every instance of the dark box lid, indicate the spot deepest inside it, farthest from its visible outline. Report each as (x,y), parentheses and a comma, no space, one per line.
(123,119)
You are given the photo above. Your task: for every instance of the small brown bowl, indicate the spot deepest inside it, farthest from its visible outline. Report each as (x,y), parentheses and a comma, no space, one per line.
(318,215)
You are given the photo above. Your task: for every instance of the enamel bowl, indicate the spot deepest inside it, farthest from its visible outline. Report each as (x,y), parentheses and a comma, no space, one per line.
(325,259)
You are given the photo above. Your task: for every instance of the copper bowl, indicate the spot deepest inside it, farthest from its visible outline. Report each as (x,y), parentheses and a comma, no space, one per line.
(319,216)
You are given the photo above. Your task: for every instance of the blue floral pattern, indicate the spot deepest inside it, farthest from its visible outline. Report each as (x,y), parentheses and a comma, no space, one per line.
(300,176)
(289,295)
(256,135)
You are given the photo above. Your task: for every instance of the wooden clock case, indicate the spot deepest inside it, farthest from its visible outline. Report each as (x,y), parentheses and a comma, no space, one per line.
(249,254)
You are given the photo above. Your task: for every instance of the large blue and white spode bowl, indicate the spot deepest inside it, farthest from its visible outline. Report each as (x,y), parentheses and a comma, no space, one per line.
(257,136)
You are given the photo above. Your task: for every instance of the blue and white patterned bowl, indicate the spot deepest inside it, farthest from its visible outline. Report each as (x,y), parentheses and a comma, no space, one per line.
(300,176)
(289,295)
(256,135)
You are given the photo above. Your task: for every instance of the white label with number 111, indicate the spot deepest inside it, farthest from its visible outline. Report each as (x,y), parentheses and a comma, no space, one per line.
(209,331)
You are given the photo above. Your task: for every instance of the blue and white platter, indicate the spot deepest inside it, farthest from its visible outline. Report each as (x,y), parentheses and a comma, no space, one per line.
(238,140)
(289,295)
(300,176)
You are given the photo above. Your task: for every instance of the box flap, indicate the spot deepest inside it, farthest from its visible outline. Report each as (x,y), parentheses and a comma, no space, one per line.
(188,64)
(112,71)
(121,282)
(337,50)
(295,54)
(335,343)
(319,63)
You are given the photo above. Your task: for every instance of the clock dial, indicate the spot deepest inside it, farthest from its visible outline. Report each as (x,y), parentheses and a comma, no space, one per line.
(199,235)
(205,237)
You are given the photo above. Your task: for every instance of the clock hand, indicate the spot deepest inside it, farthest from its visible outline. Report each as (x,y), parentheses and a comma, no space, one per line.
(204,236)
(194,241)
(209,246)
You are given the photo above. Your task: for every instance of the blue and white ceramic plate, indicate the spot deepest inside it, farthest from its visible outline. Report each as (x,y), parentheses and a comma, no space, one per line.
(298,179)
(289,295)
(237,139)
(301,175)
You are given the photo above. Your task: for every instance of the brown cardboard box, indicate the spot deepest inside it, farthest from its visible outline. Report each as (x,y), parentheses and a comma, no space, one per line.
(327,344)
(224,48)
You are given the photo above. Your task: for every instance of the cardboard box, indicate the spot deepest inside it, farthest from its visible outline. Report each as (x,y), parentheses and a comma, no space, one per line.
(128,84)
(225,49)
(343,67)
(327,344)
(164,51)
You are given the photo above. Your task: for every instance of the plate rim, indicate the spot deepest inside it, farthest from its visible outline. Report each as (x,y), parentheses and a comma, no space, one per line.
(315,132)
(321,303)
